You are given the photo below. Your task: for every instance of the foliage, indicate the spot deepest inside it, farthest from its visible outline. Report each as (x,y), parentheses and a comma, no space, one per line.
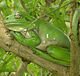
(8,61)
(35,8)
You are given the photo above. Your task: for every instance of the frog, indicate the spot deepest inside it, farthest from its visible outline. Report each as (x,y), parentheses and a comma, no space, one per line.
(45,39)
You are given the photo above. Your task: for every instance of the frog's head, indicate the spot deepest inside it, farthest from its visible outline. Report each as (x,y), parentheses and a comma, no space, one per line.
(15,22)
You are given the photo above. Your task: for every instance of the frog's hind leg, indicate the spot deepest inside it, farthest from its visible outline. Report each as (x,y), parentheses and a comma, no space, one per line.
(59,53)
(48,57)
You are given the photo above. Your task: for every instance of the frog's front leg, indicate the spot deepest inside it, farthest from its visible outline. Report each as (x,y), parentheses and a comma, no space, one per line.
(32,41)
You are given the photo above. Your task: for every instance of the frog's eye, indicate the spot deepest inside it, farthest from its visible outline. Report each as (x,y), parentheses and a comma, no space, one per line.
(18,16)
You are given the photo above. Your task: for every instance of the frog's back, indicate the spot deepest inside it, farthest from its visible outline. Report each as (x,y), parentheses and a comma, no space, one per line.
(52,35)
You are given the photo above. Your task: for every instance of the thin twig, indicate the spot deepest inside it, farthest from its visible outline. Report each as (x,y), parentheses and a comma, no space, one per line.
(61,2)
(30,71)
(51,12)
(26,64)
(71,14)
(42,72)
(22,3)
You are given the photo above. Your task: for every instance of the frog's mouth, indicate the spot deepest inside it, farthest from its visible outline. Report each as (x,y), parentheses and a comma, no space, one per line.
(13,23)
(16,26)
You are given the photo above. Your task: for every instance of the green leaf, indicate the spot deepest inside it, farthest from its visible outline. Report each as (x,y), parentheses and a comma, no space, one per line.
(8,61)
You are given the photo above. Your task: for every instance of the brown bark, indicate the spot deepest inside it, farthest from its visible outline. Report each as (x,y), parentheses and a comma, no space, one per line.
(75,48)
(74,68)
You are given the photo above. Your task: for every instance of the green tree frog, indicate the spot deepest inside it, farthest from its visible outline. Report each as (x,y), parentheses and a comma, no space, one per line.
(46,40)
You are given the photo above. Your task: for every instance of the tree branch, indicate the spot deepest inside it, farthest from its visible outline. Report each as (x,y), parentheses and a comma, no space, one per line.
(75,48)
